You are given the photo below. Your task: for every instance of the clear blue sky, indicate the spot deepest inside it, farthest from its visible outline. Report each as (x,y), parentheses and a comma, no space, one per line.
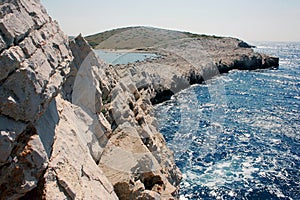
(251,20)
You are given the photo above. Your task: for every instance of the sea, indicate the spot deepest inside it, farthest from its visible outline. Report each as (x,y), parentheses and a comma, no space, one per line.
(237,136)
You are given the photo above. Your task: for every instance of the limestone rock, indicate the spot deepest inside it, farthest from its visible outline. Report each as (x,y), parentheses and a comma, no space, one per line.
(269,61)
(149,195)
(23,25)
(10,60)
(47,145)
(143,150)
(27,166)
(72,168)
(10,130)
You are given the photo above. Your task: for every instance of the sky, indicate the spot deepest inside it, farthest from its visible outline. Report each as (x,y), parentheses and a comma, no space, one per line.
(250,20)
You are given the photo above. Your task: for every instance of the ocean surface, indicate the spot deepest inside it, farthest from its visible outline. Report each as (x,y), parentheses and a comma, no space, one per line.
(238,135)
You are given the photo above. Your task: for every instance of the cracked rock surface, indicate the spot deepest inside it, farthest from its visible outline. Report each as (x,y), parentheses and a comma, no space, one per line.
(47,149)
(57,125)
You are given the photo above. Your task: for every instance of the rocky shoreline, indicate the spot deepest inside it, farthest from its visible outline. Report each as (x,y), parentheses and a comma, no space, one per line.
(73,127)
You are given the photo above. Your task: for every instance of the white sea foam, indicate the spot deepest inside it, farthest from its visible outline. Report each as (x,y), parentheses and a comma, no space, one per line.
(297,97)
(264,47)
(182,197)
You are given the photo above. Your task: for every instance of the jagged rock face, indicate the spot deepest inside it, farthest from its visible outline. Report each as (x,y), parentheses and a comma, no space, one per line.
(133,153)
(34,55)
(72,172)
(34,50)
(47,149)
(58,140)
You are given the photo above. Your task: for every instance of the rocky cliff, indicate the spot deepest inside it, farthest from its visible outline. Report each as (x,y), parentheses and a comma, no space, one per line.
(73,127)
(57,139)
(47,149)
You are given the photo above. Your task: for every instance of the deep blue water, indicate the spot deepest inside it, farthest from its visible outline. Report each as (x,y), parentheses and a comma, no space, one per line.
(238,135)
(119,57)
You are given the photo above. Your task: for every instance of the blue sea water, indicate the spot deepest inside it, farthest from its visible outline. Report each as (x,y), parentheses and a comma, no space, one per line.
(118,57)
(238,135)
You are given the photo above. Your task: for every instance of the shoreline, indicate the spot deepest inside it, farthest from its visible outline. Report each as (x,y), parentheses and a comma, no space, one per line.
(158,80)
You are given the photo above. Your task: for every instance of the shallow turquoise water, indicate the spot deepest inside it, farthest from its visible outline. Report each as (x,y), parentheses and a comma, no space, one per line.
(238,135)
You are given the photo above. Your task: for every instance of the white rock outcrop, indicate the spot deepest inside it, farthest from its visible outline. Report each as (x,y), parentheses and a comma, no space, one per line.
(69,123)
(48,148)
(133,154)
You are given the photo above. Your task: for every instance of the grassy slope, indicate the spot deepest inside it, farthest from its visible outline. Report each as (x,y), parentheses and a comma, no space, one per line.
(138,37)
(96,39)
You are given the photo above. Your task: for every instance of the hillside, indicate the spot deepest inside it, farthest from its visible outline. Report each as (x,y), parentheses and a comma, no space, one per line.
(139,37)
